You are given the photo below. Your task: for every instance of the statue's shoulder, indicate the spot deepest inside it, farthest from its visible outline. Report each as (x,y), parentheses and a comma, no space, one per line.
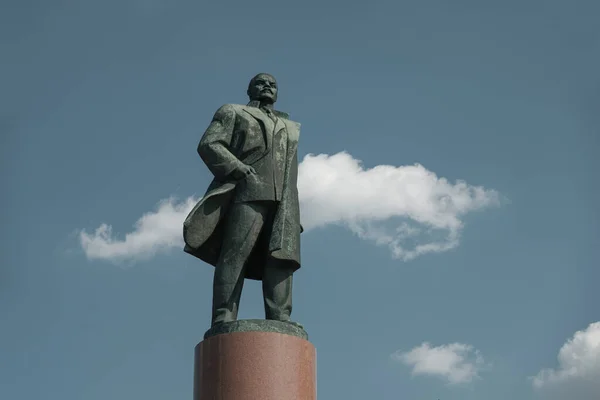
(286,117)
(292,124)
(230,108)
(281,114)
(293,129)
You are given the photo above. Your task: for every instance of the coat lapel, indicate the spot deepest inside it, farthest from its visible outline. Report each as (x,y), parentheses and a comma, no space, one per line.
(279,125)
(266,123)
(293,129)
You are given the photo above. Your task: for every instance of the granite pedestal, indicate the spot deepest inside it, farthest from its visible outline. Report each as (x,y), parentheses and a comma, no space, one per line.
(255,360)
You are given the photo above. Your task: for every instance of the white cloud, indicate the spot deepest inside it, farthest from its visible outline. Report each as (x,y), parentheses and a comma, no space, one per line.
(407,208)
(154,232)
(456,363)
(578,373)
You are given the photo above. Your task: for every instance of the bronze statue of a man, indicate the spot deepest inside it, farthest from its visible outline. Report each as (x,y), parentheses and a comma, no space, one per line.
(247,225)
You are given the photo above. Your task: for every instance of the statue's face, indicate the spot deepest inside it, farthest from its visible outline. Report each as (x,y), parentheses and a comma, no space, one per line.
(263,88)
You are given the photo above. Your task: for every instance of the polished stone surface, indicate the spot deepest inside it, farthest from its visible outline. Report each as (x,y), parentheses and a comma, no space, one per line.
(255,365)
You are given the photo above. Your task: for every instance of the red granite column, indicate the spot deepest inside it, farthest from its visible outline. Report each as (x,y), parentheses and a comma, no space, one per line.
(255,366)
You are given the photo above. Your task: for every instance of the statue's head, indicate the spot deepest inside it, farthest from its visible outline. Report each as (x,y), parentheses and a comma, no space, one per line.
(263,88)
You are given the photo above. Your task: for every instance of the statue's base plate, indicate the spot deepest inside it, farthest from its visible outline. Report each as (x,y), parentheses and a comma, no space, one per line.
(258,325)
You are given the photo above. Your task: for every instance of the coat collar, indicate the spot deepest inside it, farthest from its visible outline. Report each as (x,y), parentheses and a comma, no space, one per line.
(269,127)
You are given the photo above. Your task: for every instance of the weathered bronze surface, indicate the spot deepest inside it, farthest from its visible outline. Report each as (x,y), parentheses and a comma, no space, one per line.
(247,225)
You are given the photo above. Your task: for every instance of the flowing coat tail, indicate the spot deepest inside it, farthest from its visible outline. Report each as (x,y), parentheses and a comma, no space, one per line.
(202,229)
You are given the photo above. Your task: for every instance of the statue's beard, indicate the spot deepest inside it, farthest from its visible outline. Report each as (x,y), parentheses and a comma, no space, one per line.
(268,100)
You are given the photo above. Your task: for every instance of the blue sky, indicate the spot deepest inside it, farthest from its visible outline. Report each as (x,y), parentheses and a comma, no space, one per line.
(101,108)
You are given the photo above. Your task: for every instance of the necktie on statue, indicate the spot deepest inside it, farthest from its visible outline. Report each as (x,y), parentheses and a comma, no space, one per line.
(269,113)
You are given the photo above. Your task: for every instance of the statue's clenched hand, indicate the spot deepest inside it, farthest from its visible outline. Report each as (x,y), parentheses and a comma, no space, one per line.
(243,171)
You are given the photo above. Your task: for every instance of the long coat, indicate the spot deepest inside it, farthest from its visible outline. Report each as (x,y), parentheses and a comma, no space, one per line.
(244,134)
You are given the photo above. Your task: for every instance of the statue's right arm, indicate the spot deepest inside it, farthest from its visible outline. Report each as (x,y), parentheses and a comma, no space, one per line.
(216,141)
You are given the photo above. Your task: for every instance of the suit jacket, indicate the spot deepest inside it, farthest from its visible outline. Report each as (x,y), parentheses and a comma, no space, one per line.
(243,134)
